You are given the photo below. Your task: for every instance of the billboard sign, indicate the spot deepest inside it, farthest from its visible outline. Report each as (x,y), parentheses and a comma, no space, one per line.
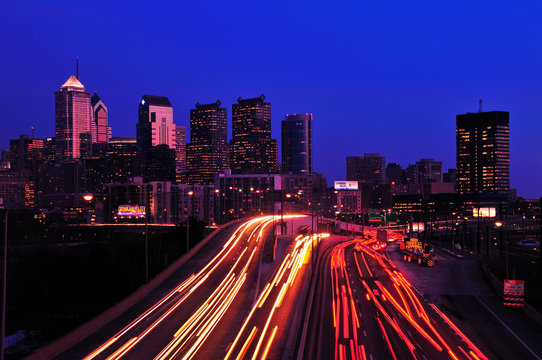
(484,212)
(417,226)
(346,185)
(131,210)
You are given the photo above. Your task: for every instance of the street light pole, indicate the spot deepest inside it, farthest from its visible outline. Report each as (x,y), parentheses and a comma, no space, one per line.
(146,246)
(4,285)
(86,196)
(190,193)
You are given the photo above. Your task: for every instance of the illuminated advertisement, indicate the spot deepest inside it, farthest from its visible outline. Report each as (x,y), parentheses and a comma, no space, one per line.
(418,226)
(484,212)
(131,210)
(346,185)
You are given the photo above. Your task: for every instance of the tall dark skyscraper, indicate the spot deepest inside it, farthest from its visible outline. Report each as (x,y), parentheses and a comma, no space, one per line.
(180,152)
(483,152)
(252,149)
(72,119)
(101,132)
(367,169)
(156,139)
(155,126)
(297,144)
(207,152)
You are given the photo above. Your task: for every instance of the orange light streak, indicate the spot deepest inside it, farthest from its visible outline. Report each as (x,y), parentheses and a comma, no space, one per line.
(268,346)
(464,353)
(247,343)
(459,332)
(121,350)
(100,349)
(388,318)
(386,338)
(409,318)
(366,266)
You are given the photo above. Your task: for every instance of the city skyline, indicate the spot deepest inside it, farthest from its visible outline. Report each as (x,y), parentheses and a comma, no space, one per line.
(411,94)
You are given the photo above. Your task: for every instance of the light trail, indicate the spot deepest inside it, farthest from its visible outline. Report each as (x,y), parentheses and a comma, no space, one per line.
(399,297)
(273,295)
(188,287)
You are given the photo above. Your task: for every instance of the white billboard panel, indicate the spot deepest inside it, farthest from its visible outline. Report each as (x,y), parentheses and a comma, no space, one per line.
(346,185)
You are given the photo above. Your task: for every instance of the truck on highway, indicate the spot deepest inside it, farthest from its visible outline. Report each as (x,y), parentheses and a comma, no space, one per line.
(414,250)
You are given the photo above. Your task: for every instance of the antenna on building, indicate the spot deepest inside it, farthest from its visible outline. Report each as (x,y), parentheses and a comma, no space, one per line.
(77,67)
(32,128)
(480,105)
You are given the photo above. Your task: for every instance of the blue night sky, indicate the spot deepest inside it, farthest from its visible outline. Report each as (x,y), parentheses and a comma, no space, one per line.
(379,76)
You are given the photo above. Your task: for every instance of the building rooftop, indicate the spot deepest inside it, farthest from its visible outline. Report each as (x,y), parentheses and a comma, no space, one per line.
(155,100)
(257,100)
(95,99)
(73,83)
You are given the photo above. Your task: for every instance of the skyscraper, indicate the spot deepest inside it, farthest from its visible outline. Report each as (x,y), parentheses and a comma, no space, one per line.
(180,152)
(207,152)
(428,171)
(297,144)
(155,126)
(156,139)
(252,149)
(72,119)
(26,153)
(483,152)
(101,132)
(366,169)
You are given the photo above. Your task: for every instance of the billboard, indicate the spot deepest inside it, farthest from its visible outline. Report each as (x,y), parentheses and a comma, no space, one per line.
(346,185)
(131,210)
(483,212)
(417,226)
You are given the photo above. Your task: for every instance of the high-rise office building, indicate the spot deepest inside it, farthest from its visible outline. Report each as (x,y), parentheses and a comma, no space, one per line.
(252,149)
(428,171)
(26,153)
(72,119)
(180,152)
(207,152)
(483,152)
(156,139)
(366,169)
(394,174)
(101,132)
(297,144)
(155,126)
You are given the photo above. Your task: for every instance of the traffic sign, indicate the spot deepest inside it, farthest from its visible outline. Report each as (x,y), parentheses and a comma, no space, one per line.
(514,292)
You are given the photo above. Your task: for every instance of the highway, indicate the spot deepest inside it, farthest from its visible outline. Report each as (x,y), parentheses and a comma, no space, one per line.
(229,308)
(233,304)
(364,308)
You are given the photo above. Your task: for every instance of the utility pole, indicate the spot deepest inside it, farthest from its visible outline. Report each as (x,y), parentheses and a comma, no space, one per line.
(540,233)
(501,240)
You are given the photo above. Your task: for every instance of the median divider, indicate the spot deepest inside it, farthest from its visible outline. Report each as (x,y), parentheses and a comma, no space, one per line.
(67,341)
